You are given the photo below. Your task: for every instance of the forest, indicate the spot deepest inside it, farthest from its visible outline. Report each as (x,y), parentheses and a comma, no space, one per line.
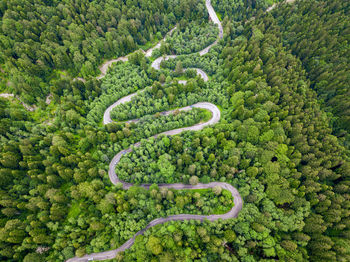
(322,46)
(39,39)
(189,38)
(280,80)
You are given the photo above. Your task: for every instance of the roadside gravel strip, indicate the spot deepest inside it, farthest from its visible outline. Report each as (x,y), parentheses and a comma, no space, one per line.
(238,202)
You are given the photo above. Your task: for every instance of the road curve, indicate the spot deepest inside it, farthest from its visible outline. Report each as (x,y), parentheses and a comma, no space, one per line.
(204,105)
(238,202)
(107,114)
(104,67)
(149,52)
(231,214)
(215,19)
(156,64)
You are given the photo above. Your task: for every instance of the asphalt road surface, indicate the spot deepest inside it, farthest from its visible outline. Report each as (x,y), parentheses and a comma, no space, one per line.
(238,202)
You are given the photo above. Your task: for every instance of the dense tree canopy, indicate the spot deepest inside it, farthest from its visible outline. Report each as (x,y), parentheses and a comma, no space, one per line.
(318,33)
(189,38)
(240,10)
(274,78)
(39,37)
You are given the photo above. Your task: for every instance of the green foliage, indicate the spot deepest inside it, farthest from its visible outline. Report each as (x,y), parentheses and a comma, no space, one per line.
(33,257)
(41,36)
(154,245)
(274,143)
(316,32)
(74,210)
(239,10)
(191,38)
(124,78)
(152,125)
(157,99)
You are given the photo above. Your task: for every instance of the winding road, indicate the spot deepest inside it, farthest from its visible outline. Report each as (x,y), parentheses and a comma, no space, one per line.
(156,63)
(104,67)
(238,202)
